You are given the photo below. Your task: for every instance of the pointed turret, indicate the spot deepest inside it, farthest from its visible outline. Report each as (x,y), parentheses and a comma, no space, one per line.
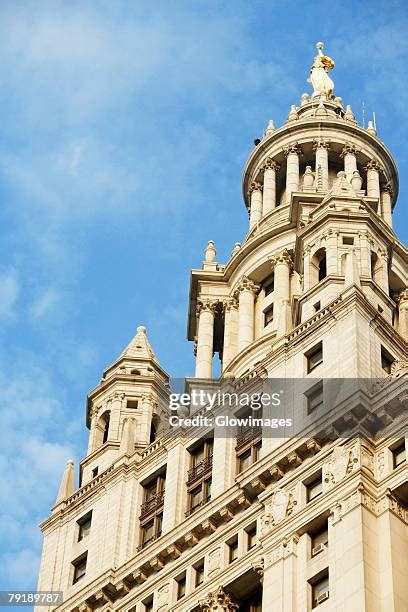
(67,486)
(139,346)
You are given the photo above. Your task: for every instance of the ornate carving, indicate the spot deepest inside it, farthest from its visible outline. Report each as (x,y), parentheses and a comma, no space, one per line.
(246,284)
(204,304)
(254,186)
(283,257)
(338,465)
(214,561)
(218,601)
(373,164)
(230,304)
(294,148)
(277,510)
(349,147)
(270,164)
(321,143)
(163,598)
(258,567)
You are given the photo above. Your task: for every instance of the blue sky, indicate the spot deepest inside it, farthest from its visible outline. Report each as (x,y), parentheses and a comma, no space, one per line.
(124,128)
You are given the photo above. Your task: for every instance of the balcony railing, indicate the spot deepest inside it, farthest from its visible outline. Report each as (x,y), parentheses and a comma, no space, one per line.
(247,435)
(200,469)
(152,504)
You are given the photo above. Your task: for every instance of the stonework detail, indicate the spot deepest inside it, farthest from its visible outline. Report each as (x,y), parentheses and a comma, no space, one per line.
(294,148)
(214,561)
(281,506)
(270,164)
(246,284)
(218,601)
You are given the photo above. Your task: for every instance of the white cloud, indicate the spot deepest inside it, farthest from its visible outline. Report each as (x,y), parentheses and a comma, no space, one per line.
(44,303)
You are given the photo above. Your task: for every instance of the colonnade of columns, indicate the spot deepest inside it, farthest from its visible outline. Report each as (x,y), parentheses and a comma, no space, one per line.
(239,325)
(263,197)
(239,316)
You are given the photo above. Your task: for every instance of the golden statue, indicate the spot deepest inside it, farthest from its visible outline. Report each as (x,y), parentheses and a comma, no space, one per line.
(319,77)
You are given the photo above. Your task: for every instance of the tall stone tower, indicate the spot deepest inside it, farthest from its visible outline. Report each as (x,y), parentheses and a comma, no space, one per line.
(317,291)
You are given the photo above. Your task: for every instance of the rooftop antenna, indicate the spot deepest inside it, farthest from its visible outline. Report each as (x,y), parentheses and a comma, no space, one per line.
(374,121)
(363,112)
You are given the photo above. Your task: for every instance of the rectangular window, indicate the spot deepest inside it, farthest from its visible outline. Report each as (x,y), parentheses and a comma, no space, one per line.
(133,404)
(314,488)
(233,550)
(79,568)
(181,586)
(84,526)
(151,510)
(320,589)
(199,573)
(249,440)
(314,357)
(268,315)
(320,540)
(251,537)
(348,240)
(148,605)
(399,455)
(269,285)
(316,307)
(200,475)
(386,360)
(315,397)
(95,472)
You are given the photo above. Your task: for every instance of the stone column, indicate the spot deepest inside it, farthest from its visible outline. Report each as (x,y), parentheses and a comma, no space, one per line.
(114,420)
(332,260)
(385,199)
(321,149)
(270,169)
(365,254)
(282,266)
(205,338)
(230,331)
(349,153)
(373,179)
(218,601)
(306,269)
(403,313)
(255,193)
(177,458)
(247,290)
(94,417)
(384,260)
(292,170)
(146,419)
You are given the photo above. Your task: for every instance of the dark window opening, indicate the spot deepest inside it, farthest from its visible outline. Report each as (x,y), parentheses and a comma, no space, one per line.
(314,357)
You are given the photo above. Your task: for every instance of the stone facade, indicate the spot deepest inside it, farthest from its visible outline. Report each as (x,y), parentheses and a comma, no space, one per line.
(317,291)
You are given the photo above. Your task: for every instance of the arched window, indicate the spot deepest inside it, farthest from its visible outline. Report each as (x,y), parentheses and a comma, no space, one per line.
(102,430)
(318,269)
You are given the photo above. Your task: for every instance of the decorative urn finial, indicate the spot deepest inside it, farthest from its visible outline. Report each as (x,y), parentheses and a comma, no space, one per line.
(210,252)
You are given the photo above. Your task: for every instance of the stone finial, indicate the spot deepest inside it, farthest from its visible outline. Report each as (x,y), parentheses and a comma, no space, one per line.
(356,181)
(270,128)
(308,178)
(139,346)
(339,101)
(210,252)
(349,115)
(371,129)
(67,486)
(304,99)
(321,110)
(237,247)
(293,114)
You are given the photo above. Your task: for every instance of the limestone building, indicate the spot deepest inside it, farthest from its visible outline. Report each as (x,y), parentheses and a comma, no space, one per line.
(317,291)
